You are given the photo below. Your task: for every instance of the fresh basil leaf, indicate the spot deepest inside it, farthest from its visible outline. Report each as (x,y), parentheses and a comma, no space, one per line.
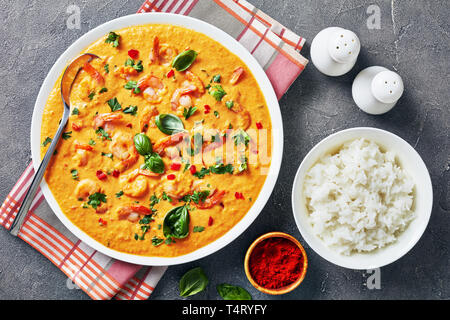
(230,292)
(154,163)
(193,282)
(142,144)
(176,223)
(184,60)
(114,104)
(169,123)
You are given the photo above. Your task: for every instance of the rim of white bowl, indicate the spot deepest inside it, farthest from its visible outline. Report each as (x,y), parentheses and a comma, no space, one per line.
(386,257)
(228,42)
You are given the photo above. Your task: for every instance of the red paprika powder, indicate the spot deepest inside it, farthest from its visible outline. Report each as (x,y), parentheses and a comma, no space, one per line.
(275,263)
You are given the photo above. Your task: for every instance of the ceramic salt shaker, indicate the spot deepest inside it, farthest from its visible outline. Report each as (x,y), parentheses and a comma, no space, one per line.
(334,51)
(376,90)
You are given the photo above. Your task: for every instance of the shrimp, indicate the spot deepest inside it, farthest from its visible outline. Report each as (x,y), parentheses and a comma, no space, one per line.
(244,117)
(148,114)
(196,81)
(160,146)
(179,93)
(166,54)
(237,74)
(126,72)
(132,213)
(179,187)
(133,184)
(152,88)
(81,155)
(215,198)
(85,188)
(154,52)
(122,147)
(93,73)
(103,118)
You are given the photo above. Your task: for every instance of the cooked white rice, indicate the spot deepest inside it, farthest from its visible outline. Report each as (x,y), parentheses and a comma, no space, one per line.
(358,199)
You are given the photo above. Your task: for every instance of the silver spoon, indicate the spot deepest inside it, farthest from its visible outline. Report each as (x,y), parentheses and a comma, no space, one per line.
(70,74)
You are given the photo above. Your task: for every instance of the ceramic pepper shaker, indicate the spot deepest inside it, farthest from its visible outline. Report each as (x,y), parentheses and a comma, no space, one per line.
(334,51)
(376,90)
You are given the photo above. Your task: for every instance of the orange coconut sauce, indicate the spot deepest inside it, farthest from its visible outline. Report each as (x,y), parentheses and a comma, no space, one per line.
(89,163)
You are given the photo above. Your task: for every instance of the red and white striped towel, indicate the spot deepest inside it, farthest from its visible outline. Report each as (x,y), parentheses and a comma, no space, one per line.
(101,277)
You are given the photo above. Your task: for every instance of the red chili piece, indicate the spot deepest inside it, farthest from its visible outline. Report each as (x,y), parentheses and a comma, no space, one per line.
(171,73)
(276,262)
(115,173)
(239,195)
(193,169)
(207,109)
(175,166)
(101,175)
(259,125)
(129,125)
(171,177)
(210,221)
(134,54)
(102,222)
(75,127)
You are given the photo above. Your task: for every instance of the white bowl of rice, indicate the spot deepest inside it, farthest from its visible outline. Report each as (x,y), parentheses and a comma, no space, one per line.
(362,198)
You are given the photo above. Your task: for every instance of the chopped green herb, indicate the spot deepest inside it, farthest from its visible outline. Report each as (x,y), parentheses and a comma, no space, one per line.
(157,241)
(113,38)
(166,197)
(96,199)
(74,173)
(216,78)
(201,174)
(198,229)
(46,141)
(241,137)
(91,142)
(119,194)
(189,112)
(106,67)
(91,95)
(131,110)
(132,85)
(114,104)
(217,92)
(103,90)
(66,135)
(109,155)
(229,104)
(75,111)
(222,169)
(102,133)
(137,66)
(216,114)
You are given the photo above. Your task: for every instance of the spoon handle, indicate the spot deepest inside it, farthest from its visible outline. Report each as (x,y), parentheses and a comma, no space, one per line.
(26,204)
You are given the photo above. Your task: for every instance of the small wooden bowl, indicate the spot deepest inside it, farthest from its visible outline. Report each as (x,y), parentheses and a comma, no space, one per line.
(285,289)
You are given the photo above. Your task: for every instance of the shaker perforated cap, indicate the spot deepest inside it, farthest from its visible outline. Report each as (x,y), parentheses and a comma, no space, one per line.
(344,46)
(387,86)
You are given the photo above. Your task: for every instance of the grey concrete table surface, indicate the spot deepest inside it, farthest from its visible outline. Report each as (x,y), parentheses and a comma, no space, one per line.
(413,39)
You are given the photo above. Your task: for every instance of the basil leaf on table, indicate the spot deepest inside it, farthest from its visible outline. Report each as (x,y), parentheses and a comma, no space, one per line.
(142,144)
(184,60)
(154,163)
(169,123)
(230,292)
(193,282)
(176,223)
